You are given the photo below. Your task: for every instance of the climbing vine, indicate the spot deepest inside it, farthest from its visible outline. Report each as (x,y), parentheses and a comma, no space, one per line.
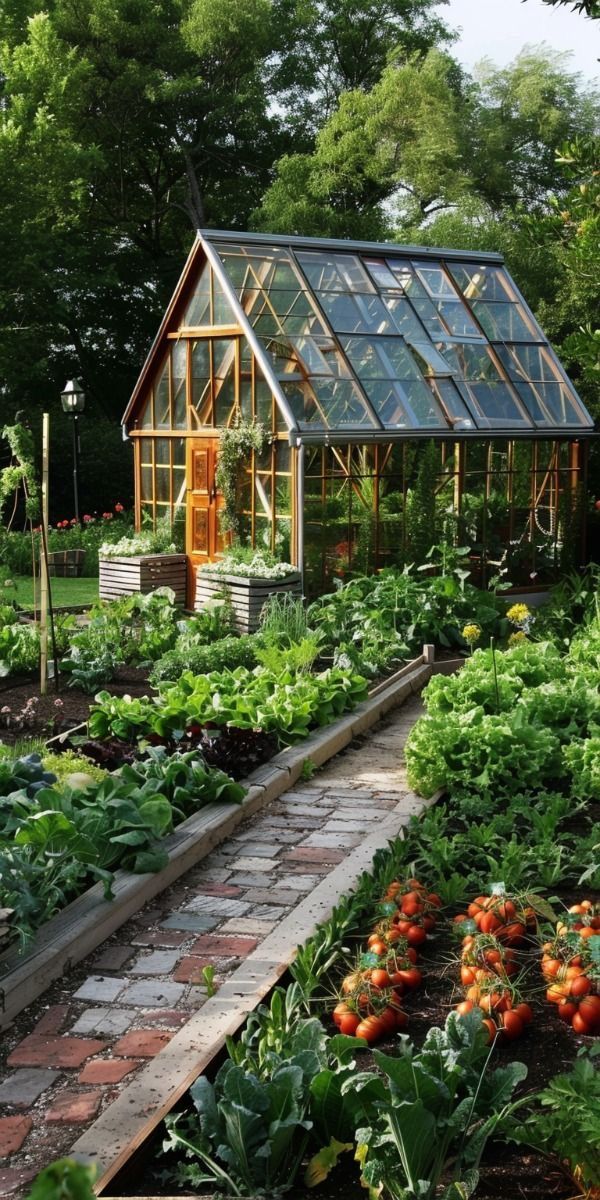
(21,471)
(235,447)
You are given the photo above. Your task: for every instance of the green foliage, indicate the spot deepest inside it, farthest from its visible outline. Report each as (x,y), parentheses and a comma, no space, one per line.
(19,644)
(430,1112)
(65,1179)
(19,554)
(373,620)
(236,444)
(499,724)
(566,1121)
(56,839)
(135,629)
(583,762)
(21,473)
(249,1134)
(72,769)
(289,704)
(223,655)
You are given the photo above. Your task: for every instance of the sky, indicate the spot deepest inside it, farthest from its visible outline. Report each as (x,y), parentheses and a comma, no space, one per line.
(498,29)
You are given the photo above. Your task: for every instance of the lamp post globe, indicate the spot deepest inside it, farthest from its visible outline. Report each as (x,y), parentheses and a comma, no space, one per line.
(73,402)
(73,397)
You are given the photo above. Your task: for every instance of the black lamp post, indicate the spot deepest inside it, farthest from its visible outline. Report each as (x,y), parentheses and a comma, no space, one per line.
(73,402)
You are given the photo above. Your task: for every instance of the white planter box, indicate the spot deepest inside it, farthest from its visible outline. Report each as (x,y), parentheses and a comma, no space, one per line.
(247,596)
(143,573)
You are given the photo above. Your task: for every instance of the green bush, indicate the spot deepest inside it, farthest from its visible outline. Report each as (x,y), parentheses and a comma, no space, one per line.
(224,655)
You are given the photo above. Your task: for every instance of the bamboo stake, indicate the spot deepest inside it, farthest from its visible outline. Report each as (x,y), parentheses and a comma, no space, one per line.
(44,563)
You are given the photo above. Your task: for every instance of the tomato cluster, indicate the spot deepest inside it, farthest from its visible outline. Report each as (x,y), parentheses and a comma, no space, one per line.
(571,968)
(507,919)
(372,993)
(489,961)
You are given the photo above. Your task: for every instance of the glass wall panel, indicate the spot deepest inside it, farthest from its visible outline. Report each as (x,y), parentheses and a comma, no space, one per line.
(162,403)
(179,384)
(198,309)
(504,322)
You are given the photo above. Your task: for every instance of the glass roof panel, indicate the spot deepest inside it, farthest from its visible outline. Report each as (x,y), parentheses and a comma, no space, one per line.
(335,272)
(359,335)
(503,322)
(404,273)
(405,318)
(493,404)
(380,358)
(356,314)
(482,282)
(327,404)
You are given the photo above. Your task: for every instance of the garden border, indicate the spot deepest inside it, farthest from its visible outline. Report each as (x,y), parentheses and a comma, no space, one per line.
(87,921)
(120,1131)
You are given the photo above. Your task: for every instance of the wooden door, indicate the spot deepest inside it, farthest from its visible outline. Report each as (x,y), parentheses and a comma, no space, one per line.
(204,542)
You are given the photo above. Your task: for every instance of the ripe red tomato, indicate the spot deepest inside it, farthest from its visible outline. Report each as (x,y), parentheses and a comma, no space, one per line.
(525,1012)
(465,1006)
(512,1025)
(566,1010)
(380,978)
(340,1011)
(411,977)
(349,1024)
(589,1011)
(580,986)
(370,1028)
(416,935)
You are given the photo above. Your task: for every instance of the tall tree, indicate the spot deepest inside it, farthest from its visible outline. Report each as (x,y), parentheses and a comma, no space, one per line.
(425,138)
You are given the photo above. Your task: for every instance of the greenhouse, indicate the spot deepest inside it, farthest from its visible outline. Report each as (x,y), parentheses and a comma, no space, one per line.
(407,394)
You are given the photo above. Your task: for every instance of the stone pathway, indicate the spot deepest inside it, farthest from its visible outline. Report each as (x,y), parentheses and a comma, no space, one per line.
(70,1054)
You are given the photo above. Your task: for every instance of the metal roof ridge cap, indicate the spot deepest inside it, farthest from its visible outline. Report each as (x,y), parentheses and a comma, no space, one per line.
(348,244)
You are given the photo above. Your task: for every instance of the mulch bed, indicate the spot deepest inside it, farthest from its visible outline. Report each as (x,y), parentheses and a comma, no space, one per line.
(49,717)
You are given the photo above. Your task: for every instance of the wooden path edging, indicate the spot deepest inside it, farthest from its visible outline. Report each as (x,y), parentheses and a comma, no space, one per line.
(90,919)
(122,1128)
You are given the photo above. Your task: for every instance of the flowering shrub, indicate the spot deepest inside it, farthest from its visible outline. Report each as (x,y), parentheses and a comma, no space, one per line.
(15,548)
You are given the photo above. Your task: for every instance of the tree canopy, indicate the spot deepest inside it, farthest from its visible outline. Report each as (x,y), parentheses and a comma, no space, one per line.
(125,124)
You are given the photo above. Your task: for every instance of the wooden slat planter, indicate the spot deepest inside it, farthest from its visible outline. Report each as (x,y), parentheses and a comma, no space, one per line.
(65,563)
(143,573)
(248,596)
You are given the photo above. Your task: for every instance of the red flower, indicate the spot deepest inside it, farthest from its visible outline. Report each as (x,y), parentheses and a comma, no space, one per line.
(107,516)
(87,517)
(73,521)
(119,508)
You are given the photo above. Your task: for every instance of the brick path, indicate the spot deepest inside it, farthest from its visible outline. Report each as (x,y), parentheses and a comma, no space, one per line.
(82,1042)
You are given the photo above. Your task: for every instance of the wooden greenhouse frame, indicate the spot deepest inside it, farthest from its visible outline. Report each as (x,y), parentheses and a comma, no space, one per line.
(408,396)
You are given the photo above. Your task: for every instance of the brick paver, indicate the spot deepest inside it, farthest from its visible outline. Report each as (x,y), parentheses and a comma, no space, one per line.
(21,1088)
(13,1131)
(144,1043)
(100,1024)
(36,1051)
(72,1108)
(107,1070)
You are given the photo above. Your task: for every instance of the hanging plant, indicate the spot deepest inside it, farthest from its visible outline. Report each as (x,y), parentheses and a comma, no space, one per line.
(21,472)
(235,447)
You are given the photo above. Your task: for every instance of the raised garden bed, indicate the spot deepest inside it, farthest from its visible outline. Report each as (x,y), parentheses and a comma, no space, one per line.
(143,573)
(87,921)
(248,596)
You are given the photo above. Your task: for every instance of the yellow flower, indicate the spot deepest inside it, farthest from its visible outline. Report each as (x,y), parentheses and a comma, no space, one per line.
(516,638)
(518,614)
(471,634)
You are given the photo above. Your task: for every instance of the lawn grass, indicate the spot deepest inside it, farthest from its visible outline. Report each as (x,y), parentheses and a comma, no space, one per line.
(65,592)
